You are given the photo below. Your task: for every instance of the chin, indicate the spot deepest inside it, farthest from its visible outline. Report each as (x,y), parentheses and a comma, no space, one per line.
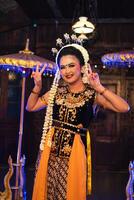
(70,81)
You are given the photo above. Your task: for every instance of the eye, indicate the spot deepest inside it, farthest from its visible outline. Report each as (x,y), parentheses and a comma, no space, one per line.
(68,65)
(71,65)
(62,67)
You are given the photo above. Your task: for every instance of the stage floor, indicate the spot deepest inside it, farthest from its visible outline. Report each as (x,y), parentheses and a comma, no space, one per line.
(107,185)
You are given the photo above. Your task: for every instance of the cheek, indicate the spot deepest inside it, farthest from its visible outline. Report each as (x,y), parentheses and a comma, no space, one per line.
(61,72)
(78,71)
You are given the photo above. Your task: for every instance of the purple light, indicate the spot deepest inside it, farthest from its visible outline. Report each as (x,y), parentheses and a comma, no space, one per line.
(24,72)
(119,60)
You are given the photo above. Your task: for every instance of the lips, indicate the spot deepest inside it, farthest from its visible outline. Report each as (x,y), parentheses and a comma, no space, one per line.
(69,76)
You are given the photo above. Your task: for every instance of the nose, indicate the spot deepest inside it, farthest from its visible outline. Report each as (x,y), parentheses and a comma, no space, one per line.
(67,69)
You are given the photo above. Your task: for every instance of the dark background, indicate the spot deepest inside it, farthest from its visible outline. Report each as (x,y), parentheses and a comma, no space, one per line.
(43,22)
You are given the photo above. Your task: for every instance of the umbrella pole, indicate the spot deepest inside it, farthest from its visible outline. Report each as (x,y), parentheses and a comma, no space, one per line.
(18,167)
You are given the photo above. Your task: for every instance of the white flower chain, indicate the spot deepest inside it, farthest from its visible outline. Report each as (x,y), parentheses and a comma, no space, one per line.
(49,112)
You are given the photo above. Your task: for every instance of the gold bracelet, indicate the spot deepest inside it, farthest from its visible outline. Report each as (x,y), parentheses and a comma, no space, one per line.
(35,92)
(101,93)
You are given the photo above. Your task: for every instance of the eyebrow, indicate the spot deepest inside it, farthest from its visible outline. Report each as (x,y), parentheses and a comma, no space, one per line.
(67,65)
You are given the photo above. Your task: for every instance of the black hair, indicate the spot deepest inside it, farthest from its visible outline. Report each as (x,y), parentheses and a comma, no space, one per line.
(70,50)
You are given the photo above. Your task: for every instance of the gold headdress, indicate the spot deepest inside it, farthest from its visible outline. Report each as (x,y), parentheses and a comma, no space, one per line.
(77,43)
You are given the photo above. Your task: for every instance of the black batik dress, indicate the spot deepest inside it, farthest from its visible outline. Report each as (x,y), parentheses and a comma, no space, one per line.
(70,109)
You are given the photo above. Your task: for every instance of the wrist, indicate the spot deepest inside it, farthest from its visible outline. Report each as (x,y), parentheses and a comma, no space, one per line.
(37,93)
(103,91)
(36,90)
(99,89)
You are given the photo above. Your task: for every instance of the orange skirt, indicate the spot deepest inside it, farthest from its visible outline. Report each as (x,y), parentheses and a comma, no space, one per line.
(76,179)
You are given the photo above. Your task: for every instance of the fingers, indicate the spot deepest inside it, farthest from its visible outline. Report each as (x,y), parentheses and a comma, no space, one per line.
(94,76)
(32,75)
(37,67)
(89,69)
(37,73)
(43,68)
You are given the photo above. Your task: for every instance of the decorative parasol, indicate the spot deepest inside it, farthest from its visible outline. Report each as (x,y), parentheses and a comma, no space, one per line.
(22,63)
(119,59)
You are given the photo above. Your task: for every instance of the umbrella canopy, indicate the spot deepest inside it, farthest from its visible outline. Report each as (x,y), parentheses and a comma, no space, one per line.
(119,59)
(24,61)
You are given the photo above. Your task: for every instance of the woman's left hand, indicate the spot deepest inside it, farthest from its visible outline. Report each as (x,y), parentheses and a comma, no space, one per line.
(107,99)
(94,80)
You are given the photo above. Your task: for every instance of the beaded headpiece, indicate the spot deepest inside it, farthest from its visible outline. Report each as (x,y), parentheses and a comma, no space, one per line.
(76,43)
(68,40)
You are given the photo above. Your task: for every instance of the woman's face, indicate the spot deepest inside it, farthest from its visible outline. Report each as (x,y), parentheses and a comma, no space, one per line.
(70,69)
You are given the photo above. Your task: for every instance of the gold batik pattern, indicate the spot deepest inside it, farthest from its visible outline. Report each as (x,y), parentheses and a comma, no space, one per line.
(69,102)
(62,143)
(57,176)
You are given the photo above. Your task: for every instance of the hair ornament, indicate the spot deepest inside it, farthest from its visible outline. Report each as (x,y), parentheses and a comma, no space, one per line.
(68,40)
(77,43)
(59,42)
(54,51)
(74,38)
(78,47)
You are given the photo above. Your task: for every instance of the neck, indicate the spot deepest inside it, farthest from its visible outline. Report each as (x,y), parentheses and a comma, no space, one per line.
(76,87)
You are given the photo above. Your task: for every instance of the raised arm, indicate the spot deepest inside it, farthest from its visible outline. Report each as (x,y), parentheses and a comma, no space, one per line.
(35,102)
(105,97)
(110,100)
